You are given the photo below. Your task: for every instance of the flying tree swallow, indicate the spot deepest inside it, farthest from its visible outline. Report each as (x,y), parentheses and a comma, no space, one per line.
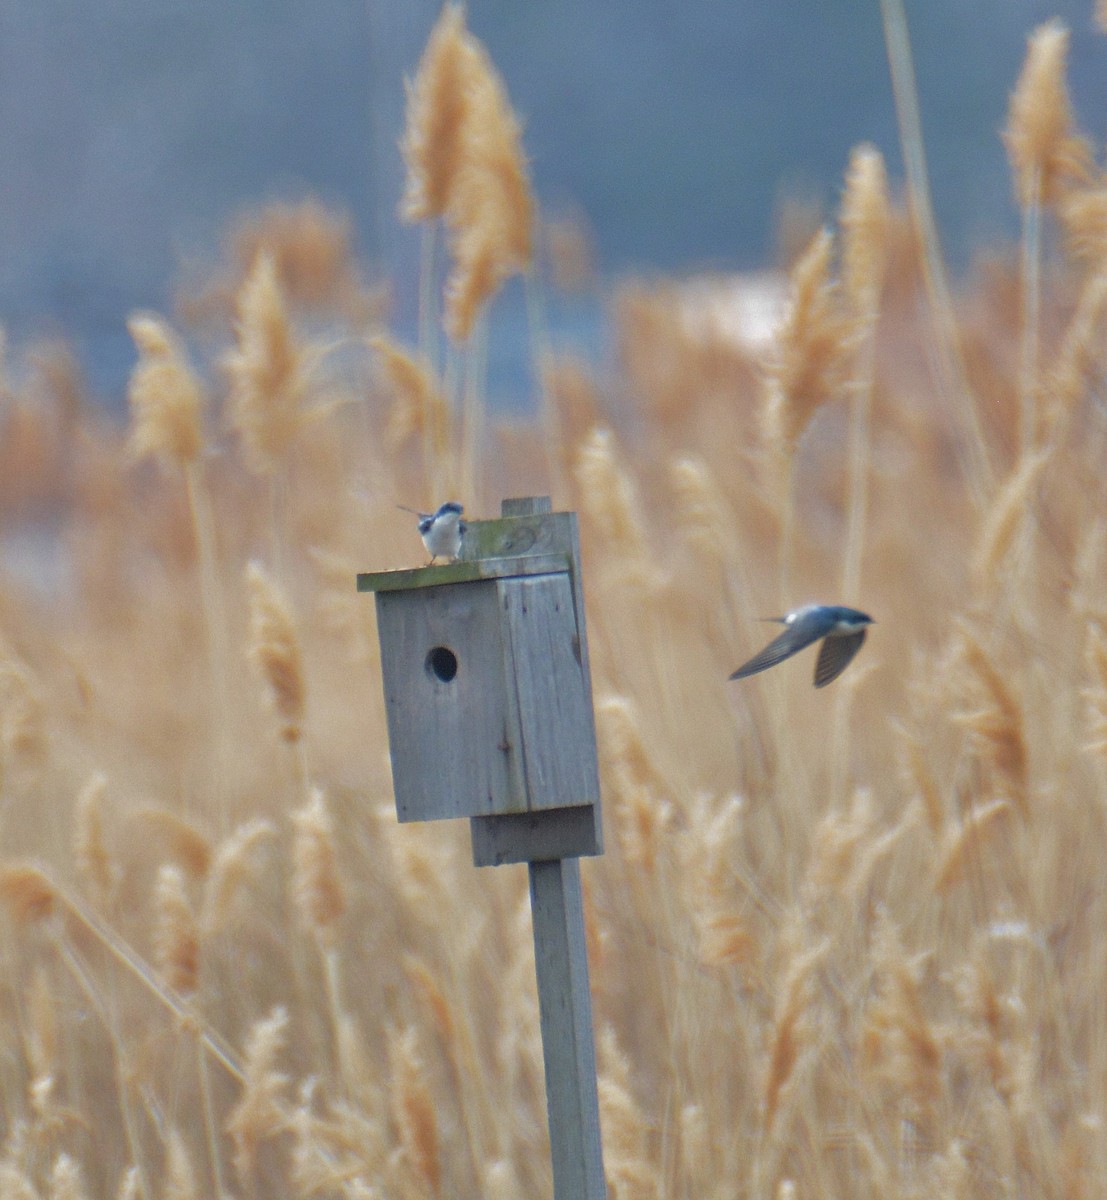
(841,629)
(441,531)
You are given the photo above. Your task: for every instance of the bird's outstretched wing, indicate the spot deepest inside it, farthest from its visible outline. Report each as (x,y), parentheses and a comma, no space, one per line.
(835,655)
(788,643)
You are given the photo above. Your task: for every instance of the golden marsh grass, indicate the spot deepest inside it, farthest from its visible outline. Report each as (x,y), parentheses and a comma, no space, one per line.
(842,943)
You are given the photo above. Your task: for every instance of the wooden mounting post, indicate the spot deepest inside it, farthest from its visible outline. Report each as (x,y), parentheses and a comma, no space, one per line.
(565,1005)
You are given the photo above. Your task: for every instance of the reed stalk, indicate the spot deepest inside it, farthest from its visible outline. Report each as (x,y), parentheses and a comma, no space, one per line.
(952,376)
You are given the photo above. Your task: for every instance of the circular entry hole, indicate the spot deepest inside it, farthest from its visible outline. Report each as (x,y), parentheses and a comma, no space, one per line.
(441,663)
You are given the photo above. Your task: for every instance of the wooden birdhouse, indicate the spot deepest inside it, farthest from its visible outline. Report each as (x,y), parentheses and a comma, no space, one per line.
(486,682)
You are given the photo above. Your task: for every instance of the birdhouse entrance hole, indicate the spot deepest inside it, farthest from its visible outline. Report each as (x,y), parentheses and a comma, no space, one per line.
(442,663)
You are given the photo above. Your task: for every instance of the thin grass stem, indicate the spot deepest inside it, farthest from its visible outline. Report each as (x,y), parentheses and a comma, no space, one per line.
(948,361)
(1031,245)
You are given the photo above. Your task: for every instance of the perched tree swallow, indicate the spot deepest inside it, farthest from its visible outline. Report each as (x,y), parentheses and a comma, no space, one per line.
(842,631)
(442,530)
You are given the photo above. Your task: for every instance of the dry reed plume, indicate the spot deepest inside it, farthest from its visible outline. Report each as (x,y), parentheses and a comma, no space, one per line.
(851,954)
(465,164)
(1040,136)
(806,370)
(267,370)
(438,110)
(1046,157)
(274,648)
(466,169)
(166,397)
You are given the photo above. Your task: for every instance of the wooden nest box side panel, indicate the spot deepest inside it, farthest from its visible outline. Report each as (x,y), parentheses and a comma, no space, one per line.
(488,703)
(553,697)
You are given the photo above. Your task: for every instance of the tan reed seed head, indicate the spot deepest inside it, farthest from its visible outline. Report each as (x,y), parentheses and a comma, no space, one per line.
(180,840)
(234,868)
(495,167)
(438,102)
(997,725)
(978,995)
(866,222)
(274,649)
(630,1168)
(176,938)
(28,893)
(165,395)
(898,1043)
(702,512)
(624,743)
(643,820)
(267,369)
(711,848)
(261,1112)
(474,280)
(95,865)
(1045,152)
(316,884)
(610,498)
(965,839)
(725,938)
(1078,365)
(310,245)
(807,367)
(841,838)
(915,767)
(419,403)
(792,1023)
(413,1110)
(22,717)
(642,807)
(1082,211)
(491,210)
(465,162)
(315,1168)
(427,987)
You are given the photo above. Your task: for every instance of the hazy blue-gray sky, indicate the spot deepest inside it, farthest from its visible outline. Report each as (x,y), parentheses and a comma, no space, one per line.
(131,130)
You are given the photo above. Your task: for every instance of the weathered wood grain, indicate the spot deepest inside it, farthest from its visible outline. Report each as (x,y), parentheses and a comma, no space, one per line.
(455,744)
(565,1008)
(536,836)
(545,675)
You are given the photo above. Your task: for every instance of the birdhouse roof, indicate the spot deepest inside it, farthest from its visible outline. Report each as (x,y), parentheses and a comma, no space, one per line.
(463,572)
